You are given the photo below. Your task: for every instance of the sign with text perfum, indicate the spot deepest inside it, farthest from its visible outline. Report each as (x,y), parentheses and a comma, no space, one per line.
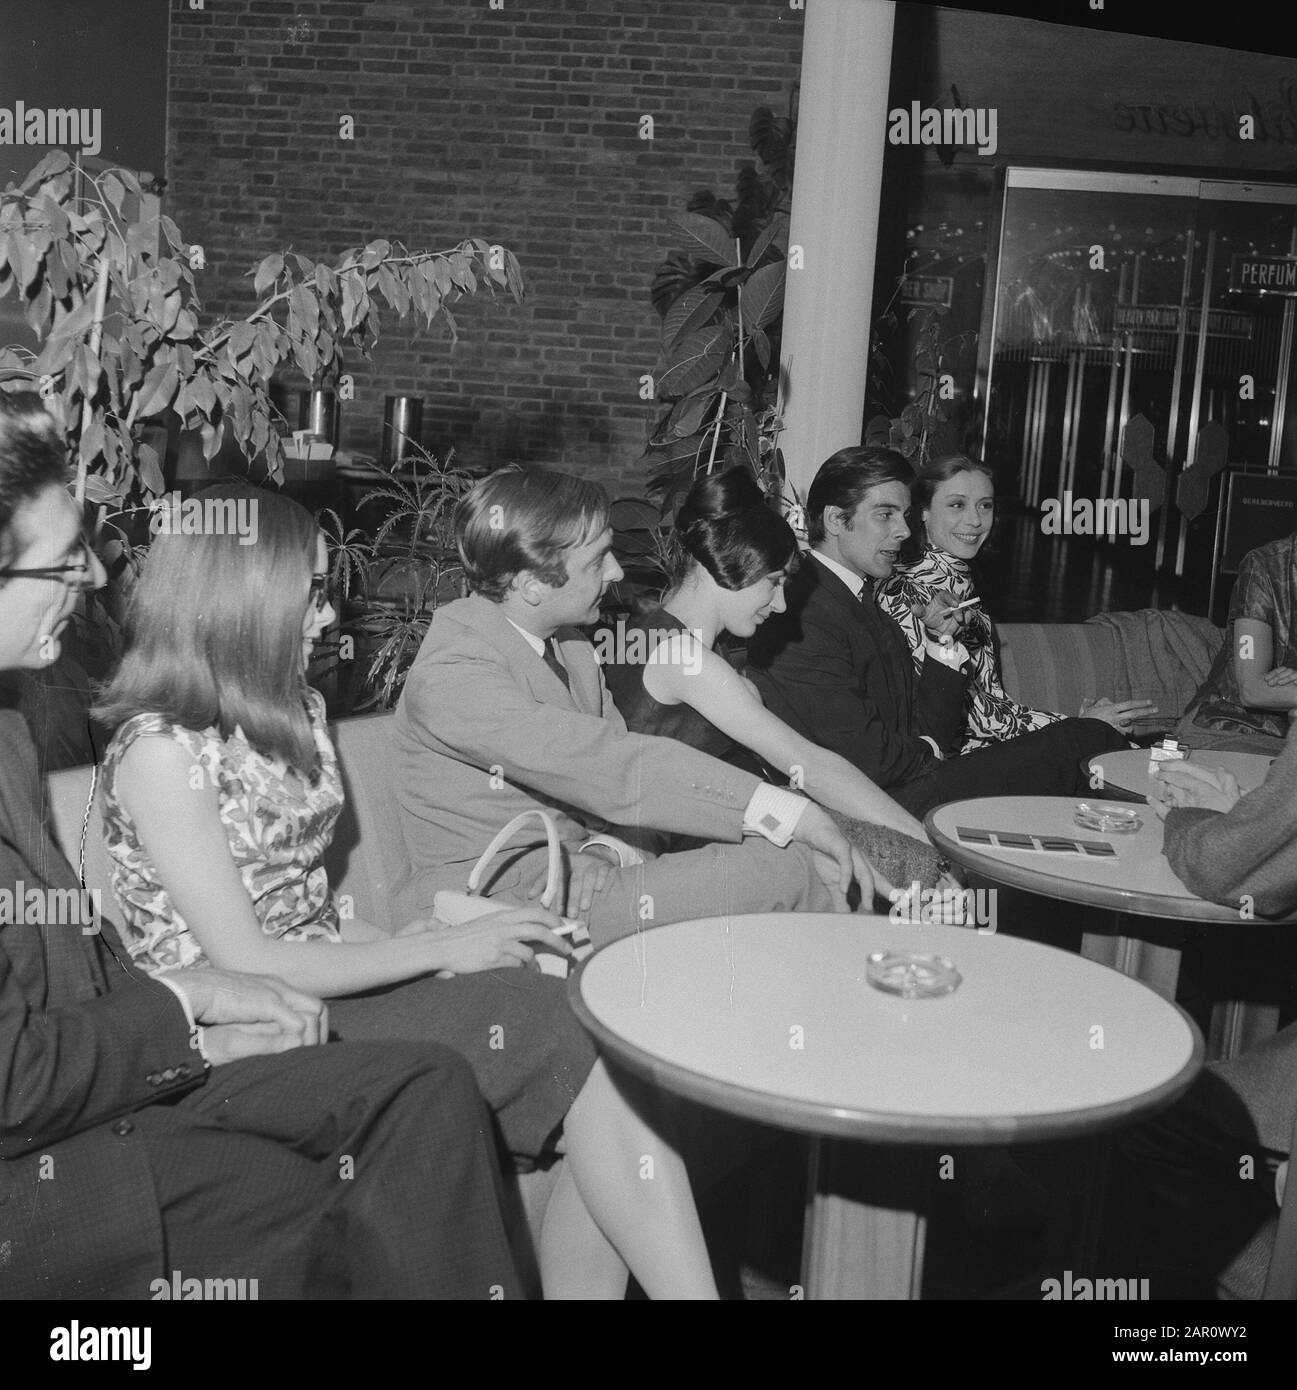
(927,289)
(1263,275)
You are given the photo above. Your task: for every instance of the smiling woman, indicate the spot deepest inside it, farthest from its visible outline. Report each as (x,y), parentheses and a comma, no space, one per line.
(954,513)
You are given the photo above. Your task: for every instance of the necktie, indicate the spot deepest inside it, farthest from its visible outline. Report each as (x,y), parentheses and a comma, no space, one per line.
(555,665)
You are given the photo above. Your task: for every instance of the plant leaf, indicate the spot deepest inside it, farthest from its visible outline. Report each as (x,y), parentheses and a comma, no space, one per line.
(267,273)
(710,235)
(697,358)
(158,391)
(692,310)
(763,296)
(686,417)
(150,466)
(775,234)
(54,163)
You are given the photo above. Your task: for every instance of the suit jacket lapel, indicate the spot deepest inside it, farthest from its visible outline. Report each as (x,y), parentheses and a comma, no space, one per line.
(893,665)
(528,669)
(835,592)
(582,670)
(59,963)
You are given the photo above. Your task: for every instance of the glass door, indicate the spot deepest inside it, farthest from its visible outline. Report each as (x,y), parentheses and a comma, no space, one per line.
(1126,322)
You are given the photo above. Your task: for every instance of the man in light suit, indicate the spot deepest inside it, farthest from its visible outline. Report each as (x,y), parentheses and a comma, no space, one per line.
(158,1131)
(505,709)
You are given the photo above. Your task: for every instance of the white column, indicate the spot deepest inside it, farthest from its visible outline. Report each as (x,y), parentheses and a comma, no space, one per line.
(837,187)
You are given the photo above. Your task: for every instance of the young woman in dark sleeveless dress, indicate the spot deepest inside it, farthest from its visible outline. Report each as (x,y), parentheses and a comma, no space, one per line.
(732,553)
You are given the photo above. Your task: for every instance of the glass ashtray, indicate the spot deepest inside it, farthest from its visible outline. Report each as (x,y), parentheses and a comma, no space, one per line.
(1114,820)
(911,975)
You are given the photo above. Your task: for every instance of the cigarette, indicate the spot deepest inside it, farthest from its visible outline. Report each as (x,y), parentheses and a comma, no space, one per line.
(967,603)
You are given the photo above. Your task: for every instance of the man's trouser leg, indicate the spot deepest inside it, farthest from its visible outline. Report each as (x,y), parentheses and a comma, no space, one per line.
(714,881)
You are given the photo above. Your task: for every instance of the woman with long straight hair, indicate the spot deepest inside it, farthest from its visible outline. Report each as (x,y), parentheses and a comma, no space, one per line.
(221,793)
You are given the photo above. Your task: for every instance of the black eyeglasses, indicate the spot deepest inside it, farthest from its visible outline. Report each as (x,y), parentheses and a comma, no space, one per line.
(79,568)
(320,595)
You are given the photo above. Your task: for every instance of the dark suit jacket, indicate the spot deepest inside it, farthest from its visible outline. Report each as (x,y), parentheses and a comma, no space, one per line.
(839,671)
(83,1043)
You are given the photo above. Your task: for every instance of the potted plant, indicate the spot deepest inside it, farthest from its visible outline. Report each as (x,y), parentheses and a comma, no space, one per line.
(926,425)
(721,302)
(120,346)
(391,575)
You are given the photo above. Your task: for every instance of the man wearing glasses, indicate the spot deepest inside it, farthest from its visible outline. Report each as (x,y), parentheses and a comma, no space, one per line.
(190,1126)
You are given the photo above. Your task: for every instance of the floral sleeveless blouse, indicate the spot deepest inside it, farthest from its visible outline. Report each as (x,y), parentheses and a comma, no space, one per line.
(277,824)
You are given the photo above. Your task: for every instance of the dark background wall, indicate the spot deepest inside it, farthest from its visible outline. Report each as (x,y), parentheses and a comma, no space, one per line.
(520,125)
(88,53)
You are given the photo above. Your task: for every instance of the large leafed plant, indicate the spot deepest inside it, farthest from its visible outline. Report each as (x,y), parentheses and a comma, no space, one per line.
(111,296)
(721,301)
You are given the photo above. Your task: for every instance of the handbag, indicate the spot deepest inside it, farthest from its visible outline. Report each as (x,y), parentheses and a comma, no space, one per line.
(456,908)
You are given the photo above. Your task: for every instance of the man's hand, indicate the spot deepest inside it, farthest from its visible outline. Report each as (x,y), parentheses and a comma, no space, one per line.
(1190,784)
(838,861)
(1120,714)
(250,1015)
(586,874)
(1280,675)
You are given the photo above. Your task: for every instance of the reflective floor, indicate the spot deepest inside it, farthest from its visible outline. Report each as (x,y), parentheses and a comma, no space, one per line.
(1031,577)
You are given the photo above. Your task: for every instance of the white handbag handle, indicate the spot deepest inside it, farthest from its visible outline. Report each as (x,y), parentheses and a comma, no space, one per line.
(554,879)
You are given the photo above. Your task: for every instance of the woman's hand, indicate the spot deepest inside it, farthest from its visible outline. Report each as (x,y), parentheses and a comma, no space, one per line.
(1280,675)
(492,941)
(1191,784)
(937,617)
(1121,714)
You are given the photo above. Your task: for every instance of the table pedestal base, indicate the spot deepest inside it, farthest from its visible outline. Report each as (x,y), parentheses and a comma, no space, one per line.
(1236,1024)
(864,1232)
(1157,966)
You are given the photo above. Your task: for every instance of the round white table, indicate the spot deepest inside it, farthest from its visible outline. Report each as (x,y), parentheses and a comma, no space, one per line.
(771,1017)
(1128,769)
(1137,882)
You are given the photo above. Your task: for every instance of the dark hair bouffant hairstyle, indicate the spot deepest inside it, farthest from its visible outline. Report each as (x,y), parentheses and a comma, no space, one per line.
(525,519)
(33,457)
(929,477)
(846,476)
(726,525)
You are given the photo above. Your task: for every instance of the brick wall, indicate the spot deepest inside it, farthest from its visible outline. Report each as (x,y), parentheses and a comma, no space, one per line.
(518,124)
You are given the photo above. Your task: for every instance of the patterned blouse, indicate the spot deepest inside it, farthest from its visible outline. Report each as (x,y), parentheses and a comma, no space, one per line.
(1265,591)
(277,824)
(992,716)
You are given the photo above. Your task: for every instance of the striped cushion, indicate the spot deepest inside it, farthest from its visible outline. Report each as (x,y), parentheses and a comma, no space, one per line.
(1054,666)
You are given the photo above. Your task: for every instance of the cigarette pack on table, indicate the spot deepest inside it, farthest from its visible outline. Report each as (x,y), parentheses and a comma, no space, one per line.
(305,446)
(1165,750)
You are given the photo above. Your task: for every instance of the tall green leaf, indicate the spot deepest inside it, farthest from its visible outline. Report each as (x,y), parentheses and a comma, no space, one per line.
(699,356)
(709,235)
(763,296)
(693,309)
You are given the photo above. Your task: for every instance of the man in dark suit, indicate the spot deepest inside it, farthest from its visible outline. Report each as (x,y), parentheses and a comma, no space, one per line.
(154,1131)
(838,669)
